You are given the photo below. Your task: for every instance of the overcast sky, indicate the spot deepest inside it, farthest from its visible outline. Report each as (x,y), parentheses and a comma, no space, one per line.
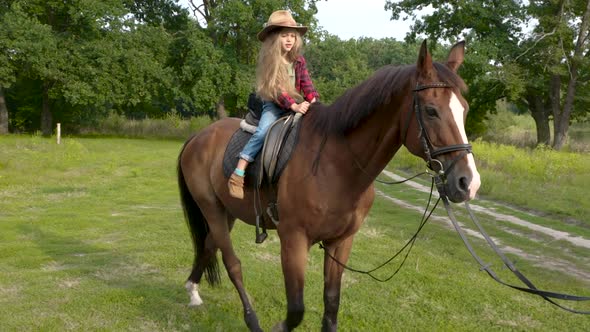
(353,19)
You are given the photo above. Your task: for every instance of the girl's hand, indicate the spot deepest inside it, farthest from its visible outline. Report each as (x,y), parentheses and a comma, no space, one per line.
(301,108)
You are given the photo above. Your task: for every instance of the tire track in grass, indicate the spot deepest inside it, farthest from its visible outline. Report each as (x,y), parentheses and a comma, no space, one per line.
(540,261)
(555,234)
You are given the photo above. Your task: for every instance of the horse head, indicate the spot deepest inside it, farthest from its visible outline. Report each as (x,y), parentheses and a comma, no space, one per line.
(435,127)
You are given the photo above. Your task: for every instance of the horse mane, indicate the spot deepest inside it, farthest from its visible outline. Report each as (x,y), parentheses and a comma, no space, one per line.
(359,102)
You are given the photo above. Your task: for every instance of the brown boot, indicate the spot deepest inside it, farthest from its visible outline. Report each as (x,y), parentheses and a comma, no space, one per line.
(236,186)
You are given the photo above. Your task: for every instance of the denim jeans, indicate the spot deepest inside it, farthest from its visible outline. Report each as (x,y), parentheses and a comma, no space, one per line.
(270,113)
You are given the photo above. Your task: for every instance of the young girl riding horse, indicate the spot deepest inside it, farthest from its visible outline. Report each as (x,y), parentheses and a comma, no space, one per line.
(282,81)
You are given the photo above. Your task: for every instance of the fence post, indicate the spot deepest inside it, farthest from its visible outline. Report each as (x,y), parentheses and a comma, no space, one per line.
(59,133)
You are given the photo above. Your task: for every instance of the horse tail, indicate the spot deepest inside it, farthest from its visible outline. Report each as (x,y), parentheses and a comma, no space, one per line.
(197,225)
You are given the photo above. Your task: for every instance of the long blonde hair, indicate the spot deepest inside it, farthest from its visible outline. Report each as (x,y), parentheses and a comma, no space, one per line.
(272,77)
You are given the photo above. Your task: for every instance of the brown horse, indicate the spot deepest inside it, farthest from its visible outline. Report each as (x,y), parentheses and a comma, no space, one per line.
(326,189)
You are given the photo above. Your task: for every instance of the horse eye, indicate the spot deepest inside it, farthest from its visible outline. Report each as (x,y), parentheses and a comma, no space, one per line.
(431,111)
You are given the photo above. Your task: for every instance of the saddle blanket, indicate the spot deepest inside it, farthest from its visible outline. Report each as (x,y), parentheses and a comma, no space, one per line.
(237,143)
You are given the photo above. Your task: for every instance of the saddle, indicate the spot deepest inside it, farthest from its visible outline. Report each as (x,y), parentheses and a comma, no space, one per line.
(266,169)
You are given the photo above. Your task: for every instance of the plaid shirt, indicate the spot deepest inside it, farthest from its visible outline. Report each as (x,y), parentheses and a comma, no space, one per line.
(302,84)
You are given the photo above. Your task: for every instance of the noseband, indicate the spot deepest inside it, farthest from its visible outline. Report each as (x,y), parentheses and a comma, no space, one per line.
(429,149)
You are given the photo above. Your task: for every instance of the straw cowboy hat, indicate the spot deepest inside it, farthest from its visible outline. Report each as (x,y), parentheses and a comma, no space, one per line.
(280,19)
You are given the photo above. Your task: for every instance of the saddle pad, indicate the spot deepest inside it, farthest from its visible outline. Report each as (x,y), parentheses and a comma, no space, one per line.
(237,143)
(232,154)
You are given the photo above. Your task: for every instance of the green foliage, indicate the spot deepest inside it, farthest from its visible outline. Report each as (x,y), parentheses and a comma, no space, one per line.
(506,127)
(338,65)
(172,126)
(510,55)
(105,60)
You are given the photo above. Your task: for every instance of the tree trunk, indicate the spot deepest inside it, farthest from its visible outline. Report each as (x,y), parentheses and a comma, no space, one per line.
(220,108)
(561,123)
(562,116)
(46,117)
(541,117)
(3,114)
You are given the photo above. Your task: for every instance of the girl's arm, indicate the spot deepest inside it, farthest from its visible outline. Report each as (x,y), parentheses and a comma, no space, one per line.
(306,85)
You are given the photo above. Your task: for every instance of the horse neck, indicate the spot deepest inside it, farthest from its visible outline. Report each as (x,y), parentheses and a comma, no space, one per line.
(373,143)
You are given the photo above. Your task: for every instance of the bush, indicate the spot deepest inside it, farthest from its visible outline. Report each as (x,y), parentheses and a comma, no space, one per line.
(173,126)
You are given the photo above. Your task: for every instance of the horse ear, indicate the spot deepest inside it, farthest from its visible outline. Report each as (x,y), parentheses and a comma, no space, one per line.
(424,62)
(456,56)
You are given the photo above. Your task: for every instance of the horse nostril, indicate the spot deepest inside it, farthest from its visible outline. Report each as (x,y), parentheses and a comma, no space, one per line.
(464,184)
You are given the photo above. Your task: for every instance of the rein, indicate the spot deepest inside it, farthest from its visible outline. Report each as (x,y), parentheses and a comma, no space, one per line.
(410,244)
(439,179)
(530,287)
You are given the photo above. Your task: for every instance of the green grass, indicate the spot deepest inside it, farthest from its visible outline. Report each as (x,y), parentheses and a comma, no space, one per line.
(92,238)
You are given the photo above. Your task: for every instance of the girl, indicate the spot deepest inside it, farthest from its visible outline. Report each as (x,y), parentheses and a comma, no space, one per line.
(281,74)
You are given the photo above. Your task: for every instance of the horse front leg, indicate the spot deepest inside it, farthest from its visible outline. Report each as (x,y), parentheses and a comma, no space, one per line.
(333,280)
(294,251)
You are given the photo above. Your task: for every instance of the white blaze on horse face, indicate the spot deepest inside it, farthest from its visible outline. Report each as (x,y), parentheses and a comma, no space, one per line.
(193,292)
(458,110)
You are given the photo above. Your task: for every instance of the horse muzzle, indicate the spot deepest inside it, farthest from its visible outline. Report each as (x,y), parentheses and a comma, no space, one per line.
(461,182)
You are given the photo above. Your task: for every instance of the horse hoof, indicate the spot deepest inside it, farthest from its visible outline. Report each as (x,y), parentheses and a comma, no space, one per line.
(279,327)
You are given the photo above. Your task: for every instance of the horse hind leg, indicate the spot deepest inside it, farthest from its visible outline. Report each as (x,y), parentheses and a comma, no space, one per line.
(205,262)
(203,245)
(220,224)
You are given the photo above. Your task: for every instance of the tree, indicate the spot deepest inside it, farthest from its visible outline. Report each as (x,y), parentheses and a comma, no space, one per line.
(337,65)
(572,24)
(490,38)
(342,64)
(7,74)
(143,57)
(538,69)
(46,40)
(31,47)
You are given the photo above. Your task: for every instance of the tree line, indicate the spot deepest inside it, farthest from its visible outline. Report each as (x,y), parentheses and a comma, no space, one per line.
(77,61)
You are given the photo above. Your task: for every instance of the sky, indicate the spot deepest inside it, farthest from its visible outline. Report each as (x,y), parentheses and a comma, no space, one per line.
(353,19)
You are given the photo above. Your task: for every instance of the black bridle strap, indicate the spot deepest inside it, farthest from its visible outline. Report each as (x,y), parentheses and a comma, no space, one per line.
(451,148)
(429,150)
(532,289)
(420,87)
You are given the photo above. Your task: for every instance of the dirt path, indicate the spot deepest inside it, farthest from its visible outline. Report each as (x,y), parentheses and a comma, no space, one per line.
(545,262)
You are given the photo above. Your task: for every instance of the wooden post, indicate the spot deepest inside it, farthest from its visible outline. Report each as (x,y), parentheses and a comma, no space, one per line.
(59,133)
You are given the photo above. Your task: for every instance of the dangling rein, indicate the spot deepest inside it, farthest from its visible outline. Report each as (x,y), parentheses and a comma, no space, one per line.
(530,287)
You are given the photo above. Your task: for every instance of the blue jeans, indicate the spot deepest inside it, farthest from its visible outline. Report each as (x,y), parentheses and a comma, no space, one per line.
(270,113)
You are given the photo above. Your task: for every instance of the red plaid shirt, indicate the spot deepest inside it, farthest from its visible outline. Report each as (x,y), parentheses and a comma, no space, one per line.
(303,84)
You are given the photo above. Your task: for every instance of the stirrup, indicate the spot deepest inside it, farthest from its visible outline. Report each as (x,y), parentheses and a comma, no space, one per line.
(260,236)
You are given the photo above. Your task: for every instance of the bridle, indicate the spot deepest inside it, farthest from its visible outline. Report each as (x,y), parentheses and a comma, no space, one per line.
(430,150)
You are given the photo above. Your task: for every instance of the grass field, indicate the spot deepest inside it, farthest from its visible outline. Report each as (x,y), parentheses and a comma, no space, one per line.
(92,238)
